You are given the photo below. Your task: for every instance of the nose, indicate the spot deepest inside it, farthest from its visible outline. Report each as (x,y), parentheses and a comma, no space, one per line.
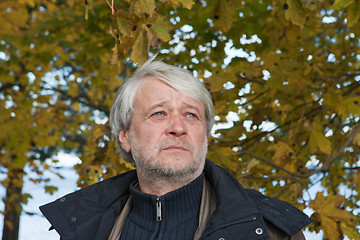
(176,126)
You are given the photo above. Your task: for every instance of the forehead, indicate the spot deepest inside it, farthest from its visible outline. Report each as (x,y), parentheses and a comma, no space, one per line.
(153,91)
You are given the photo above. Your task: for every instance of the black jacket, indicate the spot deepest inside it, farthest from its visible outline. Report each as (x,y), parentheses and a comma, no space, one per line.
(89,214)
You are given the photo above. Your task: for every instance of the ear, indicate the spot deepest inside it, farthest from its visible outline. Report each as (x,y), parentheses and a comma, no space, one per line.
(124,140)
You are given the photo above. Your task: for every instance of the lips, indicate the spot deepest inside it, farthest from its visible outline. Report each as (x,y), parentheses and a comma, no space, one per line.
(175,148)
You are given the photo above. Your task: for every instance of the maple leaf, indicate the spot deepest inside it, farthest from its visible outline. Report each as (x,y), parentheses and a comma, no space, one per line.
(329,212)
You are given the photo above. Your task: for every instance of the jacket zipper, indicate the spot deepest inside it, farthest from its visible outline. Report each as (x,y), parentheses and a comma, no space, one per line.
(158,210)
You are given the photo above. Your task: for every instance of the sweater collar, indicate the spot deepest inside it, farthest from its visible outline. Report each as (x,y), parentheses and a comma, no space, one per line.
(172,208)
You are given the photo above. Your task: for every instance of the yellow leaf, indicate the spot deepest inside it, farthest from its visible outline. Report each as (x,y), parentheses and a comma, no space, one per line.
(352,105)
(349,231)
(318,141)
(356,139)
(76,106)
(97,132)
(223,17)
(94,172)
(252,163)
(329,213)
(353,13)
(335,101)
(187,3)
(30,3)
(330,228)
(295,12)
(139,52)
(73,90)
(281,151)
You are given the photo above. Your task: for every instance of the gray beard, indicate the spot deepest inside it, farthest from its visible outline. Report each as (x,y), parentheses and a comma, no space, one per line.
(159,175)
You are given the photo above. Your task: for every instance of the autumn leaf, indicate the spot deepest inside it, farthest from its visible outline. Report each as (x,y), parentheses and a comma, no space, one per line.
(223,15)
(318,141)
(252,163)
(349,231)
(354,13)
(356,139)
(187,3)
(329,212)
(281,151)
(139,50)
(158,32)
(295,12)
(123,27)
(147,6)
(50,189)
(339,4)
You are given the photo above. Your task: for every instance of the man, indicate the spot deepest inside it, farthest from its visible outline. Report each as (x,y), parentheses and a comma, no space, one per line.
(162,117)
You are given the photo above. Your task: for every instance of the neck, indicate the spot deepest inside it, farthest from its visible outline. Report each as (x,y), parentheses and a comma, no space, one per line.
(160,185)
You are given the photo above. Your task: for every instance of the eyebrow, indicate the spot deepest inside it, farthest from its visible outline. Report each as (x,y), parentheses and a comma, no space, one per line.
(192,107)
(160,104)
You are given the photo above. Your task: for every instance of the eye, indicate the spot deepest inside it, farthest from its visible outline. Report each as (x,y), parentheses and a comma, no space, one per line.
(159,114)
(191,115)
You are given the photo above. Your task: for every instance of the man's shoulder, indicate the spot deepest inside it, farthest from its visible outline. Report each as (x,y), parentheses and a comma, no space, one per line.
(87,206)
(280,213)
(284,216)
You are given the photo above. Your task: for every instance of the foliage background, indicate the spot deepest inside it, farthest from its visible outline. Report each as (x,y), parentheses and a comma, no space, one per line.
(287,71)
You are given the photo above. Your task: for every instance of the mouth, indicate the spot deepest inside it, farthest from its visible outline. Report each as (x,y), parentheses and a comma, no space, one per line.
(175,148)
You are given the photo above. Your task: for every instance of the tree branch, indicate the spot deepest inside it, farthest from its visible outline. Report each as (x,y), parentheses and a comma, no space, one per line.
(339,152)
(266,161)
(326,165)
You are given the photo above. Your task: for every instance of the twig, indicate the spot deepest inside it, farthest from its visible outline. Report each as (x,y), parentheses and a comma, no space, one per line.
(266,161)
(111,6)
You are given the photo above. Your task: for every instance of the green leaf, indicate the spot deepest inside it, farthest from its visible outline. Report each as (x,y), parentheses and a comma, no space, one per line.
(353,13)
(341,4)
(50,189)
(318,142)
(25,198)
(122,26)
(161,30)
(147,6)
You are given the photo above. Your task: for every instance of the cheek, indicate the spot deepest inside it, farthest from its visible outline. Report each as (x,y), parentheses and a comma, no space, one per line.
(150,134)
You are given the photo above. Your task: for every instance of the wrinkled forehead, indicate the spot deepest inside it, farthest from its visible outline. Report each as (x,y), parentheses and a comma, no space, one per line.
(154,91)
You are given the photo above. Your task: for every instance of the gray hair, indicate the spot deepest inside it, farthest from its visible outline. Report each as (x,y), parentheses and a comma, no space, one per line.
(178,78)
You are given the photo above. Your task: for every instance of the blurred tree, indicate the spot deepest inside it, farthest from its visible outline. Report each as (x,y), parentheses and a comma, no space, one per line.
(287,71)
(56,83)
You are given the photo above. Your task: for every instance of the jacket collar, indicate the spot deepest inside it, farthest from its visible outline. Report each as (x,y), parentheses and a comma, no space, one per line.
(233,204)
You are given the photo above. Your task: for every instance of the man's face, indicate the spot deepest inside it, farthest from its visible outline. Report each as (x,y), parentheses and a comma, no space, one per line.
(167,131)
